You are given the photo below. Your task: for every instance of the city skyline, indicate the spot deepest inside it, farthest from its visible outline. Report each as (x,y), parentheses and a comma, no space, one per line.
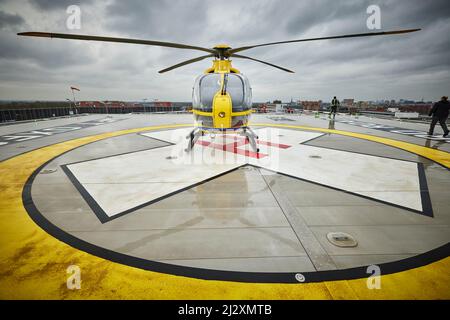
(145,100)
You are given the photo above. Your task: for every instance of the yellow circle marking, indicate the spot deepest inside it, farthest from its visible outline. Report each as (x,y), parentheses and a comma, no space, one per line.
(33,264)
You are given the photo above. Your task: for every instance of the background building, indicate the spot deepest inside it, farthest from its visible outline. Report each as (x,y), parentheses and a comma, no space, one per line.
(311,105)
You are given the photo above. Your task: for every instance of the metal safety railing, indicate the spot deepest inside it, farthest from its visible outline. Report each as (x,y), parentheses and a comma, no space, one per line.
(27,114)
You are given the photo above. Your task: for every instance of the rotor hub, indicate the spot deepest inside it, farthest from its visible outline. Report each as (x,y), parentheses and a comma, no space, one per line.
(222,51)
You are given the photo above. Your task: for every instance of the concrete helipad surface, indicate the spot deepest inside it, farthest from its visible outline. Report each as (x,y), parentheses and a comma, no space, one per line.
(119,197)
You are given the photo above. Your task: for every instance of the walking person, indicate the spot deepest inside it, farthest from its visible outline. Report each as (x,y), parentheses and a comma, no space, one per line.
(439,112)
(334,106)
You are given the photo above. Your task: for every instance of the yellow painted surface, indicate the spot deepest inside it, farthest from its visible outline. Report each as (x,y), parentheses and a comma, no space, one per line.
(233,114)
(221,66)
(33,264)
(202,113)
(222,105)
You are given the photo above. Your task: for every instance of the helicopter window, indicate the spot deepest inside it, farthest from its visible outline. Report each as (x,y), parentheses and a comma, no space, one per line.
(239,89)
(235,87)
(206,86)
(196,93)
(209,85)
(248,93)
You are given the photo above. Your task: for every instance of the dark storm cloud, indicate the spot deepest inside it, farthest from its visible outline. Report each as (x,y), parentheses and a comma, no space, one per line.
(425,49)
(52,55)
(413,64)
(398,13)
(323,12)
(10,20)
(57,4)
(175,19)
(418,13)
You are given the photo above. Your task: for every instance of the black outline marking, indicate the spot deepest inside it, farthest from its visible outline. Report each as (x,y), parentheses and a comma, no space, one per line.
(209,274)
(121,154)
(370,135)
(312,139)
(103,217)
(427,207)
(101,214)
(366,154)
(447,140)
(429,213)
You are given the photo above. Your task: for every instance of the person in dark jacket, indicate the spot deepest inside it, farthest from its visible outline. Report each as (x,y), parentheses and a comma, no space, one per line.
(440,112)
(334,106)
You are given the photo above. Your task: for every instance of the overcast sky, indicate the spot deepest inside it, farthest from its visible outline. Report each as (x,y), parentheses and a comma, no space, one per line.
(413,66)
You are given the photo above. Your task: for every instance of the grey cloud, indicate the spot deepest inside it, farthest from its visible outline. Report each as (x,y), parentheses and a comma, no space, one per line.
(323,13)
(59,4)
(412,65)
(415,12)
(170,20)
(51,55)
(10,20)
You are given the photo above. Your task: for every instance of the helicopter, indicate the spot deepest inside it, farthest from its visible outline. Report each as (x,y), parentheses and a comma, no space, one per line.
(222,96)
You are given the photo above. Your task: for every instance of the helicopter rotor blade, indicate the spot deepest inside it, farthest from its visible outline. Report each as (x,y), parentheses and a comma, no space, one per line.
(185,63)
(264,62)
(369,34)
(111,39)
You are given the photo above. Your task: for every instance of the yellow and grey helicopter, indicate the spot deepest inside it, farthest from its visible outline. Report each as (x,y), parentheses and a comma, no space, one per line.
(222,96)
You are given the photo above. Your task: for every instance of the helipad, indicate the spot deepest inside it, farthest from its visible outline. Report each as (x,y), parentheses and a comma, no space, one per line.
(142,218)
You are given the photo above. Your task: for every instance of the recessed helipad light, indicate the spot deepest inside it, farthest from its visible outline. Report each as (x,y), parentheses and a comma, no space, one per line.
(315,157)
(222,114)
(47,171)
(342,239)
(299,277)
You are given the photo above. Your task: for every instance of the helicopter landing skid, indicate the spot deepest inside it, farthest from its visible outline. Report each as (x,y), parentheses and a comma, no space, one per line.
(252,137)
(248,133)
(193,137)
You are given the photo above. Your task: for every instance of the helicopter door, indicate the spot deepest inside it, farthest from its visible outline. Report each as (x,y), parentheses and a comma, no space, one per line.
(238,87)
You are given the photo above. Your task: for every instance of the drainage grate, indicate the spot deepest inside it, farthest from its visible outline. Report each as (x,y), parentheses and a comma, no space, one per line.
(315,157)
(342,239)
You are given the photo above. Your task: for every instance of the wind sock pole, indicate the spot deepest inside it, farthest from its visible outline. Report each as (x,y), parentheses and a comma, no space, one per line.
(74,101)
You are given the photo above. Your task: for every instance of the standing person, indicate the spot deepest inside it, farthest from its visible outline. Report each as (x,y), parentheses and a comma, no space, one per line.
(334,106)
(440,112)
